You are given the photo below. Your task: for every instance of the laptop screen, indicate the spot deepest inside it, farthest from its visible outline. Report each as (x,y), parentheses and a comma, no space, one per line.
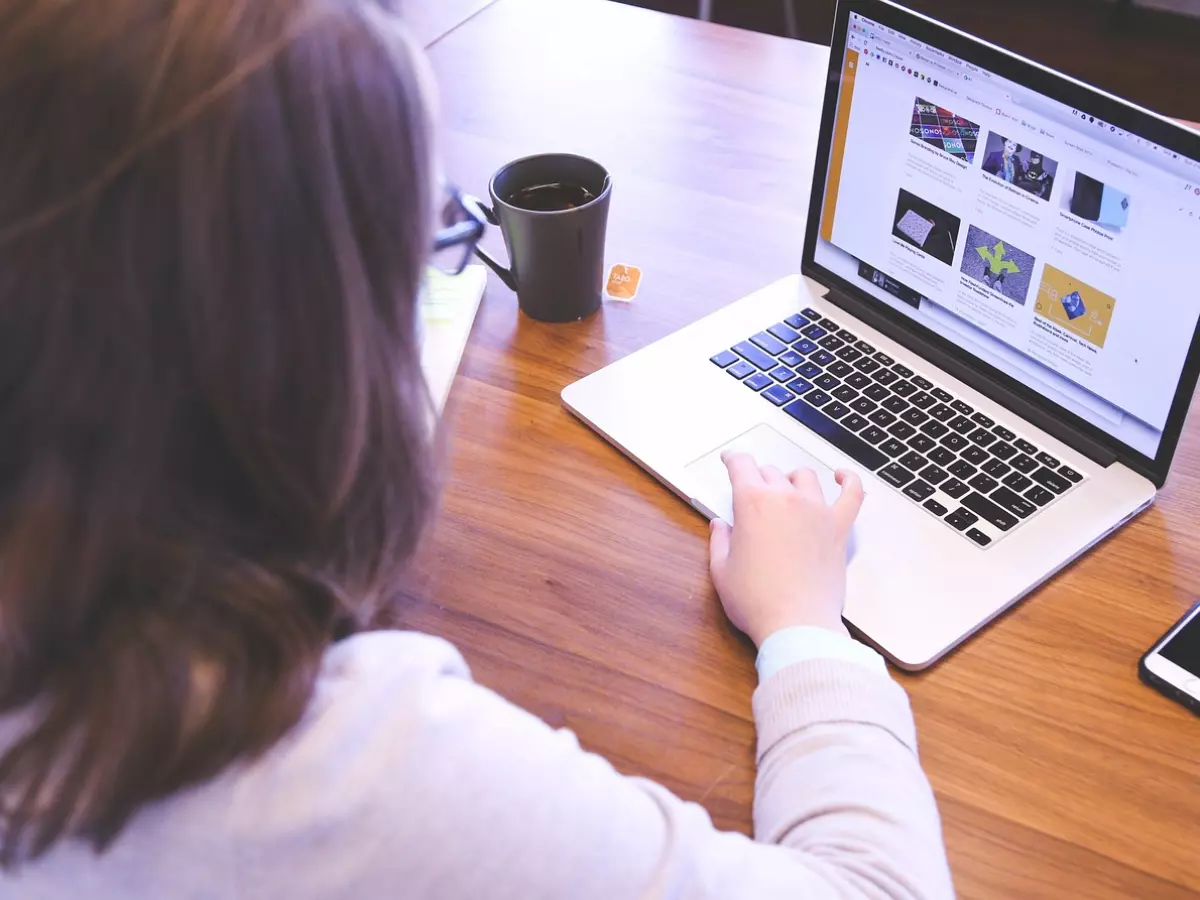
(1059,248)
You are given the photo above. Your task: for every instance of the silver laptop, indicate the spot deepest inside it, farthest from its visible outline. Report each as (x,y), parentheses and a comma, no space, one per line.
(994,327)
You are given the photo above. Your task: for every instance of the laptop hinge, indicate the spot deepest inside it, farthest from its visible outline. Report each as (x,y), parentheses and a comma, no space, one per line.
(1044,420)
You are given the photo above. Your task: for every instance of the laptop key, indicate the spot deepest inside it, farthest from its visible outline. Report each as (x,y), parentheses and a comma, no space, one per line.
(866,364)
(1017,481)
(741,369)
(847,335)
(858,380)
(810,313)
(885,376)
(758,381)
(809,370)
(759,357)
(1014,503)
(725,359)
(975,455)
(1023,463)
(922,400)
(981,437)
(768,342)
(830,324)
(902,370)
(1047,460)
(1003,433)
(814,332)
(855,422)
(954,488)
(983,483)
(939,394)
(784,332)
(913,460)
(791,358)
(989,511)
(963,425)
(822,358)
(826,382)
(778,394)
(832,342)
(1003,450)
(846,441)
(919,490)
(936,508)
(942,412)
(1025,447)
(954,441)
(799,386)
(995,468)
(883,359)
(978,537)
(894,404)
(903,388)
(877,392)
(873,434)
(914,416)
(961,407)
(863,405)
(836,410)
(934,474)
(1051,480)
(1068,473)
(782,373)
(896,475)
(980,419)
(796,321)
(893,447)
(817,398)
(864,347)
(934,428)
(941,456)
(845,393)
(923,383)
(962,469)
(962,518)
(882,418)
(1039,495)
(839,368)
(922,443)
(805,346)
(849,354)
(901,430)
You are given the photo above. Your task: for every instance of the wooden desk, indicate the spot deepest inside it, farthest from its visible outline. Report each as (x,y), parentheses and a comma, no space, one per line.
(577,586)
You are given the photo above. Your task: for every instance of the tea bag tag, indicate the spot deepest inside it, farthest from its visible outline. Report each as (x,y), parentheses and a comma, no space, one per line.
(623,282)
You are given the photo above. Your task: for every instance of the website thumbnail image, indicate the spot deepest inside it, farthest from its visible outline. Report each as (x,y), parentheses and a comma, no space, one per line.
(944,130)
(1019,165)
(926,226)
(997,264)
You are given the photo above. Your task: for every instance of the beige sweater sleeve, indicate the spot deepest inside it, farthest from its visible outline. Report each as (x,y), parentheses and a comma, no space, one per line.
(475,798)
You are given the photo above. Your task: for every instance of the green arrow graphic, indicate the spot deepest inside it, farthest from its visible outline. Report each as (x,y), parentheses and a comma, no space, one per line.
(996,261)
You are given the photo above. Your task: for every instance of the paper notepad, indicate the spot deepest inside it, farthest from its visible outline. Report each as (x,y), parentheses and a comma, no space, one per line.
(448,307)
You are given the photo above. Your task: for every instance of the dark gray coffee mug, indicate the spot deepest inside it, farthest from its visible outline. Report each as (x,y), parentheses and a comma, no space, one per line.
(556,258)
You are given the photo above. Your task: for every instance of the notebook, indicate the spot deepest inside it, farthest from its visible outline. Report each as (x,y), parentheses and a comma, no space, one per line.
(448,307)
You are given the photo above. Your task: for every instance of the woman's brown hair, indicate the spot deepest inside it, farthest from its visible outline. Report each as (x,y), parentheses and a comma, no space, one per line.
(214,217)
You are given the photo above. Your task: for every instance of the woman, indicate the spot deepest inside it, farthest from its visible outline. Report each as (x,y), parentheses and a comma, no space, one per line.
(215,219)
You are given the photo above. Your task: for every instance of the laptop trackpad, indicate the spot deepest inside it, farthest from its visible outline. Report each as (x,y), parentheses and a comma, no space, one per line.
(710,479)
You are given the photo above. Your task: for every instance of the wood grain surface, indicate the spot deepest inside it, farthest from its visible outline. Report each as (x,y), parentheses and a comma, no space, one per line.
(576,586)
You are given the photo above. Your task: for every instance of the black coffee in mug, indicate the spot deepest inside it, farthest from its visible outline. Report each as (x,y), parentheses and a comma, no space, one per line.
(552,210)
(553,197)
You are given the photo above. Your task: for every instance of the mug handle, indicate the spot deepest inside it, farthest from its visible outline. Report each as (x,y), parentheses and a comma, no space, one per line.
(504,274)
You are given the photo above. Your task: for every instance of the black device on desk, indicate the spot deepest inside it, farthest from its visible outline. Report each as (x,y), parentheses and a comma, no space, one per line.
(1172,665)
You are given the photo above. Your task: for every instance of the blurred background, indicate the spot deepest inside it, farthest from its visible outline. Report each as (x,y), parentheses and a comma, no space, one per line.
(1145,50)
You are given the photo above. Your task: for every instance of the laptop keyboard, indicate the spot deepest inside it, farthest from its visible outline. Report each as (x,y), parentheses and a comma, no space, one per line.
(957,463)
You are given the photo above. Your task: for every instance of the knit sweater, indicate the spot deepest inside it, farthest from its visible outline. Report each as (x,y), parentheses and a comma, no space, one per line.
(406,779)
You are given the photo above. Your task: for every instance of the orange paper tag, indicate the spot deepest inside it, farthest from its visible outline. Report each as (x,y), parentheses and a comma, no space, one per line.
(623,282)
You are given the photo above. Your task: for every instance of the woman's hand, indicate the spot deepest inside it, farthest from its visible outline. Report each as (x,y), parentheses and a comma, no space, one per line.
(784,562)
